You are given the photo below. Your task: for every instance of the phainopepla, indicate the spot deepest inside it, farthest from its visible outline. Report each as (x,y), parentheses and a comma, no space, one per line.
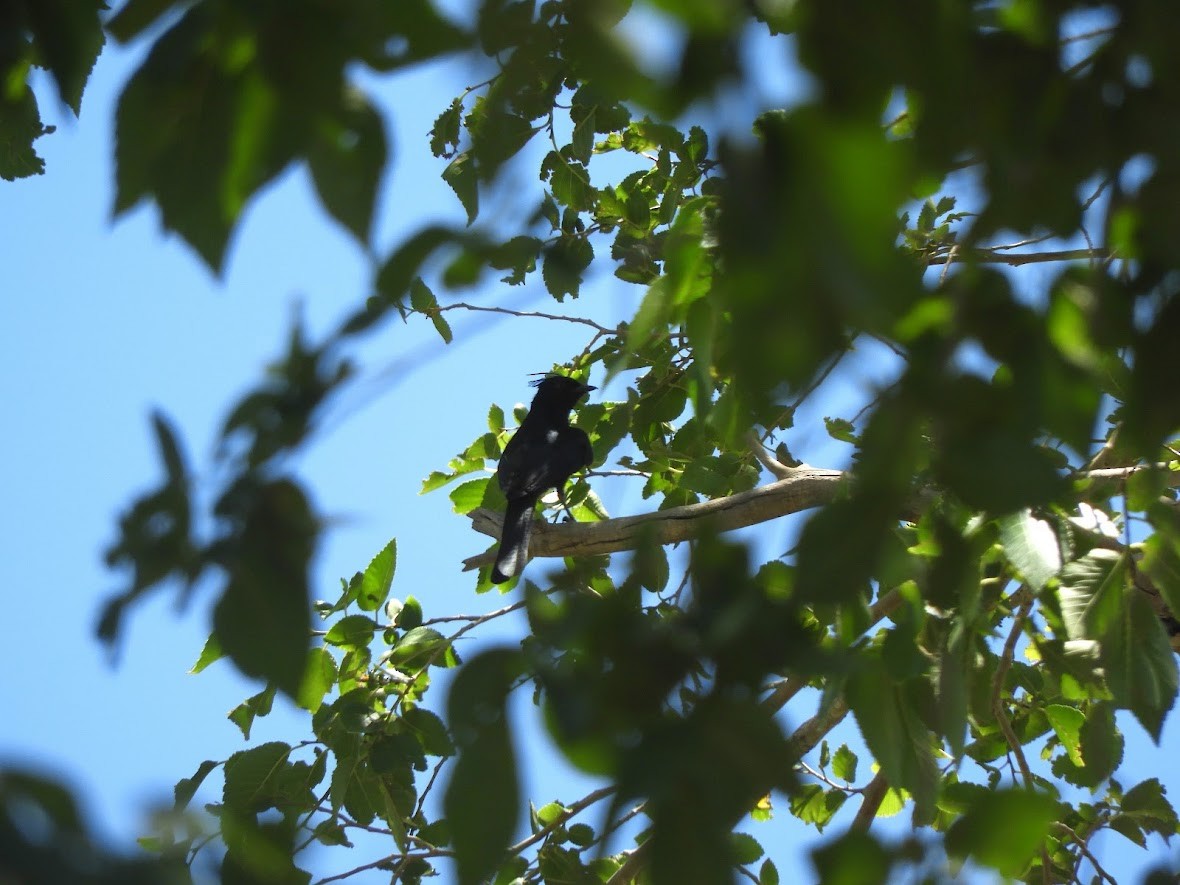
(542,455)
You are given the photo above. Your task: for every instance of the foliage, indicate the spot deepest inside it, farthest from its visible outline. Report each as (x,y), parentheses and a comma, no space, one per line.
(996,574)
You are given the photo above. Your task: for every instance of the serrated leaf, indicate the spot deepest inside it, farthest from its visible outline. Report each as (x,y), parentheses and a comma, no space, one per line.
(895,734)
(210,652)
(744,848)
(1139,663)
(1146,802)
(378,578)
(1091,593)
(444,134)
(351,631)
(564,263)
(463,178)
(251,776)
(1161,562)
(469,495)
(243,714)
(317,680)
(436,480)
(844,764)
(495,418)
(1030,545)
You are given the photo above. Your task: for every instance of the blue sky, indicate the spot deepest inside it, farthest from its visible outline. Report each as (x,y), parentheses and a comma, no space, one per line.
(103,320)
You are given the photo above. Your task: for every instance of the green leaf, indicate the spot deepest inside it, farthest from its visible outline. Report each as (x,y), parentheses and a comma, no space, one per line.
(243,714)
(210,652)
(444,134)
(263,619)
(768,873)
(423,301)
(378,578)
(469,495)
(410,615)
(187,787)
(1139,663)
(421,646)
(1161,561)
(1067,724)
(844,764)
(318,680)
(1002,829)
(895,734)
(352,631)
(432,734)
(461,175)
(744,848)
(346,160)
(1147,804)
(564,263)
(1030,545)
(482,799)
(855,858)
(814,805)
(251,776)
(1091,593)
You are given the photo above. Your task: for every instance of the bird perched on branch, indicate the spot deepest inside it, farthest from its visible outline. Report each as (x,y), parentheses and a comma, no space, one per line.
(543,453)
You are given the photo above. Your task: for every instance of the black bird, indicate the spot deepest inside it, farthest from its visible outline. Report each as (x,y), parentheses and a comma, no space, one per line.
(544,453)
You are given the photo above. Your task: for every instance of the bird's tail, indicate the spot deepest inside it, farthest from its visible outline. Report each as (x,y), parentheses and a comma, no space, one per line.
(514,541)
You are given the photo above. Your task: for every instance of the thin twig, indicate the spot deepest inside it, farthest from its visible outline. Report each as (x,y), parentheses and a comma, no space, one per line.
(1086,853)
(531,314)
(579,806)
(997,701)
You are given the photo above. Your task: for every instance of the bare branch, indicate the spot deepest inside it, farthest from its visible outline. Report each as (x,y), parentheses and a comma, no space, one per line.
(998,708)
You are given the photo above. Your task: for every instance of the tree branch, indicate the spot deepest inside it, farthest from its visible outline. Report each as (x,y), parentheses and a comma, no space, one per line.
(803,490)
(991,256)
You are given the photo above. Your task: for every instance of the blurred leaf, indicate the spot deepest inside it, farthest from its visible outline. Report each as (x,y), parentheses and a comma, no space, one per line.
(262,619)
(894,732)
(1002,829)
(346,160)
(187,788)
(482,799)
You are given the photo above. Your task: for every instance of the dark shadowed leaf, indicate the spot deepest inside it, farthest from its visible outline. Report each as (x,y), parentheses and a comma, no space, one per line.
(482,799)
